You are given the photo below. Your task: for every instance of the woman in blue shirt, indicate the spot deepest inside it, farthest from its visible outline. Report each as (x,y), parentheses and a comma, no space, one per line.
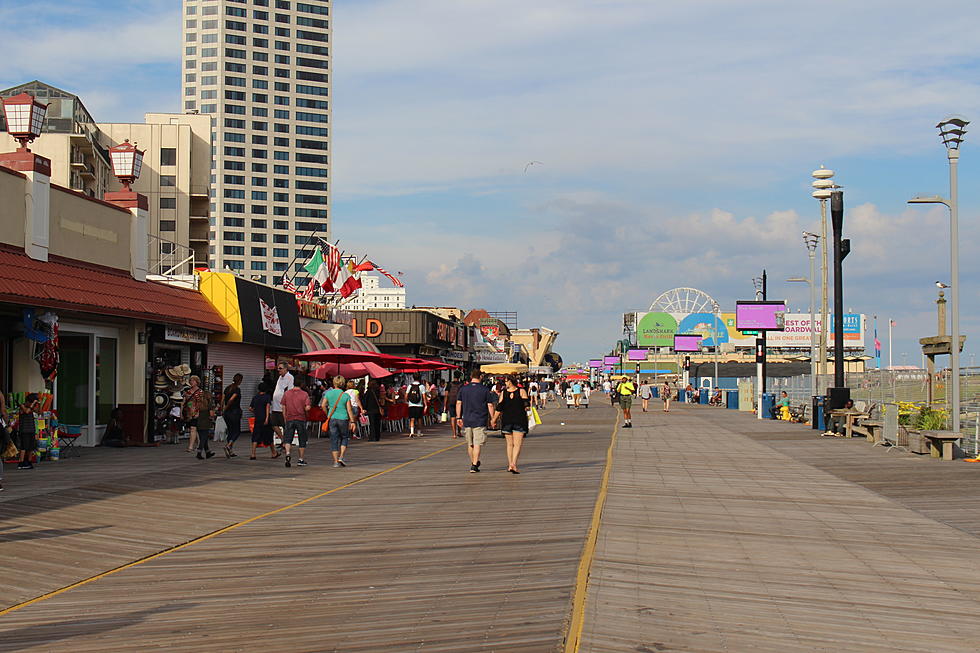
(336,403)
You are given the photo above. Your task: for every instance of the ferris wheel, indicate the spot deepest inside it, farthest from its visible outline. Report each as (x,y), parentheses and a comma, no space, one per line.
(684,300)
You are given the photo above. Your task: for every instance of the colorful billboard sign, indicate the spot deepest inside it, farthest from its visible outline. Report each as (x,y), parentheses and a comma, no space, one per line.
(595,363)
(636,355)
(610,360)
(655,330)
(795,334)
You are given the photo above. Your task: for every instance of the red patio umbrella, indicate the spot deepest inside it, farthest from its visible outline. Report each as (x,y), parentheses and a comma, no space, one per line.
(351,371)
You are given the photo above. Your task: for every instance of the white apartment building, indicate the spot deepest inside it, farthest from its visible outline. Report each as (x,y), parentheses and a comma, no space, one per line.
(261,69)
(372,295)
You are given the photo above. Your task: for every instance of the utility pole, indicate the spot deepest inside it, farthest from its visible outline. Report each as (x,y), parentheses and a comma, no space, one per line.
(842,247)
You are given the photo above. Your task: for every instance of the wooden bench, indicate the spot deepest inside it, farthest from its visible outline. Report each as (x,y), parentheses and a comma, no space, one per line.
(870,428)
(941,442)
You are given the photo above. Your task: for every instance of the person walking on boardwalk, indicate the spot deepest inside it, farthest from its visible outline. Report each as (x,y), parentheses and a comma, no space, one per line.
(231,413)
(577,394)
(26,430)
(283,382)
(371,403)
(336,403)
(261,409)
(646,393)
(475,408)
(626,390)
(452,393)
(512,412)
(418,403)
(665,395)
(295,407)
(198,413)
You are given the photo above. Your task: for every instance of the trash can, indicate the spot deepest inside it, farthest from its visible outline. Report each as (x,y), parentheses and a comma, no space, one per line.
(819,419)
(655,391)
(731,399)
(705,395)
(681,396)
(768,402)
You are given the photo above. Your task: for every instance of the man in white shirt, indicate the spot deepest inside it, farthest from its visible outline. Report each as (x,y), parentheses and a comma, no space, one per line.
(283,383)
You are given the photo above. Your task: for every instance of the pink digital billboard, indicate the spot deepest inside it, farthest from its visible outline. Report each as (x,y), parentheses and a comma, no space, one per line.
(636,355)
(760,316)
(687,342)
(610,360)
(595,363)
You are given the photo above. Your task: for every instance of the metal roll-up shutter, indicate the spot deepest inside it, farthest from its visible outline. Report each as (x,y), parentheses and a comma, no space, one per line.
(239,358)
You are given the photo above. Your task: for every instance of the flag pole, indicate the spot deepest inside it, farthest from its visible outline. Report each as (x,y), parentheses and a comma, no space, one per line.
(891,323)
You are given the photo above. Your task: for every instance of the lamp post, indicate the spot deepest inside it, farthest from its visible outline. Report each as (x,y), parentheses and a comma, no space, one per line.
(811,240)
(716,310)
(822,184)
(25,116)
(951,131)
(127,163)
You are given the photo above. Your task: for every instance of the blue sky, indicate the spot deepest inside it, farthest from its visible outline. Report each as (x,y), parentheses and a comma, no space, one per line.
(677,141)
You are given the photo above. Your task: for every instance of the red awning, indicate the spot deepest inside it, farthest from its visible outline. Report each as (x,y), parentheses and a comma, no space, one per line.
(66,284)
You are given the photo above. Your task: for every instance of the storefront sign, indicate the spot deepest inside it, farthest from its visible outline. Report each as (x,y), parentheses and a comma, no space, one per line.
(313,310)
(489,357)
(454,355)
(184,334)
(372,327)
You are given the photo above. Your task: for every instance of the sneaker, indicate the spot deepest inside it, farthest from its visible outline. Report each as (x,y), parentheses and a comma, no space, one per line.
(337,465)
(478,465)
(209,454)
(25,466)
(342,462)
(474,469)
(199,456)
(301,463)
(289,460)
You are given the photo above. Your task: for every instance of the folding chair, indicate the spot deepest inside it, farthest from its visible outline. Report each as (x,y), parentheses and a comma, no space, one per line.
(68,434)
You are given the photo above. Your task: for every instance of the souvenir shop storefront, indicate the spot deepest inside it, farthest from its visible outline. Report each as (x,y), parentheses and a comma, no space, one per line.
(263,323)
(78,335)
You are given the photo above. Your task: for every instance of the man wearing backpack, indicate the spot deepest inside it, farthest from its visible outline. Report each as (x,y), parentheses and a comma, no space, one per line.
(417,405)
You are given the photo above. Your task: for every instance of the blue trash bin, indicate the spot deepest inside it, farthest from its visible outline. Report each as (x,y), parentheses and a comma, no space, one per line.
(768,402)
(818,422)
(705,395)
(681,396)
(731,399)
(655,392)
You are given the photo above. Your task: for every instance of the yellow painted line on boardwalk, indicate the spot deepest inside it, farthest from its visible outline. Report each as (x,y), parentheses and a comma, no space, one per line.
(226,529)
(574,636)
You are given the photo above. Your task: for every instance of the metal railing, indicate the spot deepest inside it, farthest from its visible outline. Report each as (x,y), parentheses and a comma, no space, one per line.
(168,258)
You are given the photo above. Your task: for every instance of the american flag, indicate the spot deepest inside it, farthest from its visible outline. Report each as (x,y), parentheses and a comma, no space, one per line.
(332,261)
(367,266)
(310,291)
(288,285)
(892,323)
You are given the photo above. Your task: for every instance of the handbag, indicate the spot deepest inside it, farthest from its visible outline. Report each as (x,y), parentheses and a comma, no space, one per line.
(530,421)
(10,450)
(534,414)
(443,417)
(326,425)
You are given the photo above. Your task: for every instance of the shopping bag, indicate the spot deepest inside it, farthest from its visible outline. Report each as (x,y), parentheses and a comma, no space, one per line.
(534,414)
(220,430)
(530,421)
(443,417)
(10,451)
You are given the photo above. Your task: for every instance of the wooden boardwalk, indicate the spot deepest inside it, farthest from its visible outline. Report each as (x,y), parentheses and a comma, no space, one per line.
(723,533)
(719,533)
(423,557)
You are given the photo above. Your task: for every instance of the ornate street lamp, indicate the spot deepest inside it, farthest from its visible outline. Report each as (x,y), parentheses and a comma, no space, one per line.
(951,132)
(823,184)
(25,115)
(127,163)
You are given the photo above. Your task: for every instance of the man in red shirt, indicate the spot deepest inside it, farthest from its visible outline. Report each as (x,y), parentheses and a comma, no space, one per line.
(295,404)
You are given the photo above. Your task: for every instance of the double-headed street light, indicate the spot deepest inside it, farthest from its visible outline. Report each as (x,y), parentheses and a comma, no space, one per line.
(811,240)
(823,186)
(951,131)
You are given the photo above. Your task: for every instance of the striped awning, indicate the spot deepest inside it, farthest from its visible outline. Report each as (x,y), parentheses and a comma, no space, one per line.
(314,340)
(363,344)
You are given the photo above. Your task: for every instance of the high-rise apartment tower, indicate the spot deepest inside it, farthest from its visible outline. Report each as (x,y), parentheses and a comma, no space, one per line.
(261,70)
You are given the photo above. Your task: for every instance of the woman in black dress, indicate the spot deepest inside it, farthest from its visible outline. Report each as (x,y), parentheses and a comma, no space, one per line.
(512,413)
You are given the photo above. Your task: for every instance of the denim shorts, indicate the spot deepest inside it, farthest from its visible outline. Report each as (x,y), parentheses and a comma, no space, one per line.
(339,430)
(297,427)
(514,428)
